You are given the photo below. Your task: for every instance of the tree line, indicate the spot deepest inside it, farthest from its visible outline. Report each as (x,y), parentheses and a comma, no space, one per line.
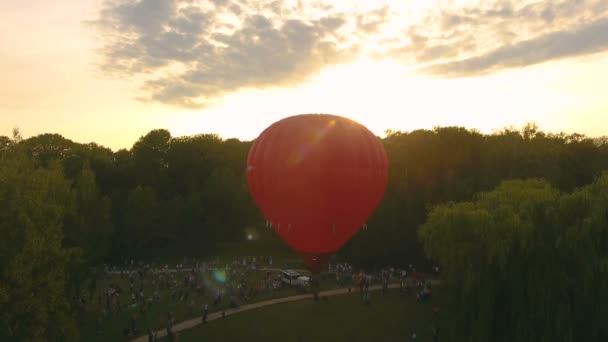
(430,167)
(66,207)
(524,262)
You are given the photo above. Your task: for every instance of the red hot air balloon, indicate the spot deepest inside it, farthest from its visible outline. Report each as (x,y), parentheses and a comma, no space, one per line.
(317,178)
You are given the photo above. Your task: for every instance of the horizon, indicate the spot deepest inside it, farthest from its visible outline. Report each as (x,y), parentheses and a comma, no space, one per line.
(109,72)
(381,136)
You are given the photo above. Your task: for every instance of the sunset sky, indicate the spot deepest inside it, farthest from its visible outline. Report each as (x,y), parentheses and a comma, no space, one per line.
(110,71)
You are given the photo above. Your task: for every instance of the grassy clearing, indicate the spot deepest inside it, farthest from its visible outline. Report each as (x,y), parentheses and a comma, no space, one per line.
(95,327)
(393,317)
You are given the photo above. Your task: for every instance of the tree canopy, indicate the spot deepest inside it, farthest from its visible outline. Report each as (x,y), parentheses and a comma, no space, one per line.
(186,194)
(33,262)
(524,262)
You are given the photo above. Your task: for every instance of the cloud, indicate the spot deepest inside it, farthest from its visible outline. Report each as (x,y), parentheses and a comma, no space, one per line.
(371,22)
(588,39)
(189,53)
(467,41)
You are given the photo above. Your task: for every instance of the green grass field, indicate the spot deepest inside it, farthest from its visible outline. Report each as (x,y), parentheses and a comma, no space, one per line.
(94,328)
(393,317)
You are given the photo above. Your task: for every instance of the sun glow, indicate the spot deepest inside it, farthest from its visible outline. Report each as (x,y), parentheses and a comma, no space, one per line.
(51,81)
(384,95)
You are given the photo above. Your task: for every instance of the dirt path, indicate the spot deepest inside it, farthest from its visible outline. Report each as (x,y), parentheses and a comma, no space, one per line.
(218,315)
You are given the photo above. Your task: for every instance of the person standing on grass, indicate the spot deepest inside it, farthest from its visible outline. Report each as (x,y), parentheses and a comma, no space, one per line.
(361,282)
(133,324)
(365,289)
(384,284)
(169,330)
(169,323)
(205,313)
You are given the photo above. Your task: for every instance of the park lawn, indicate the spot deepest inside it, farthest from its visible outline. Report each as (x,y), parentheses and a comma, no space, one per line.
(393,317)
(111,329)
(156,317)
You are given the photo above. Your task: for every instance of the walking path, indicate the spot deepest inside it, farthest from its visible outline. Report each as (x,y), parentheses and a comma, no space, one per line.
(217,315)
(175,270)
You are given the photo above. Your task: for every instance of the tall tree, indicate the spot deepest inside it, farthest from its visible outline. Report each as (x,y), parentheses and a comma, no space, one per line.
(33,201)
(150,159)
(524,262)
(142,218)
(88,224)
(5,142)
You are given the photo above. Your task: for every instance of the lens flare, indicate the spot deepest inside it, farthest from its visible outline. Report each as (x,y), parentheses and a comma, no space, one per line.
(215,280)
(220,276)
(298,156)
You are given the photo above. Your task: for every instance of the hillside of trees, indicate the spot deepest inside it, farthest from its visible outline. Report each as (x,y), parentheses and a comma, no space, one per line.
(65,206)
(187,195)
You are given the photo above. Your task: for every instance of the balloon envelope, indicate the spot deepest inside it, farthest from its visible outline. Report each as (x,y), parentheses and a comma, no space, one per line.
(317,178)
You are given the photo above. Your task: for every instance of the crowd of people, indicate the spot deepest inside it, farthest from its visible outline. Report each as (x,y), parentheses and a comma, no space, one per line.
(141,288)
(409,280)
(144,288)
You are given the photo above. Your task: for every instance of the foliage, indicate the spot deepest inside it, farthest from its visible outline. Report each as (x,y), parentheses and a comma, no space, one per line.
(430,167)
(524,262)
(169,195)
(33,201)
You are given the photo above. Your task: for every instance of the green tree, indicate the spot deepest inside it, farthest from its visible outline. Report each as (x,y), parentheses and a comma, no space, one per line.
(5,142)
(150,160)
(524,262)
(89,224)
(33,202)
(142,218)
